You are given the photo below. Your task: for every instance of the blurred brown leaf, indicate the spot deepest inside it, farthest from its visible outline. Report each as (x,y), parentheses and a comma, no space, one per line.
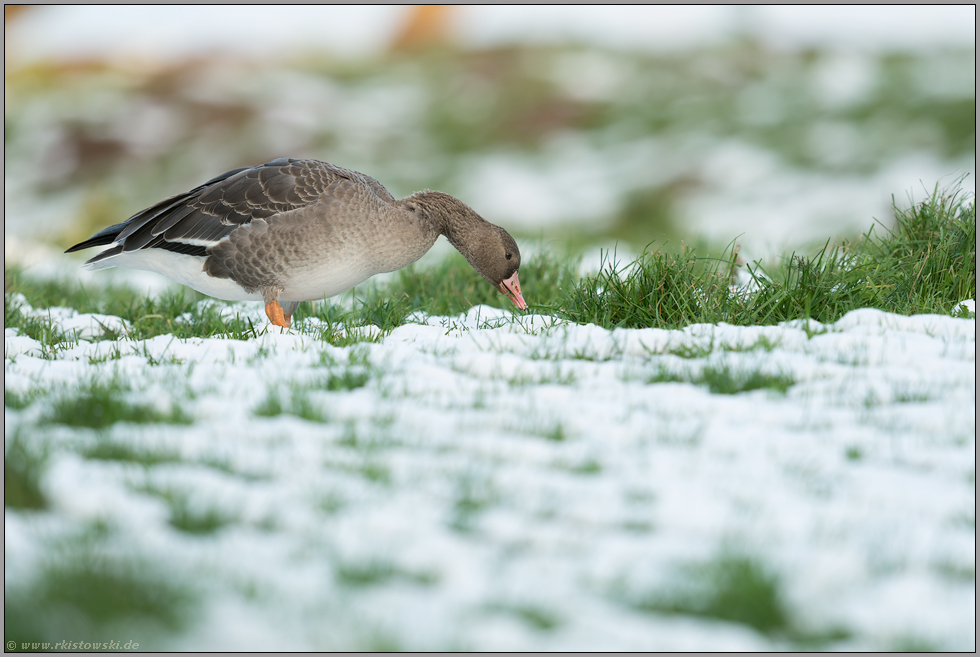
(427,26)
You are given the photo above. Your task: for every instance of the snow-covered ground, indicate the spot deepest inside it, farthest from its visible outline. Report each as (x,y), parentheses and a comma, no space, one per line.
(511,484)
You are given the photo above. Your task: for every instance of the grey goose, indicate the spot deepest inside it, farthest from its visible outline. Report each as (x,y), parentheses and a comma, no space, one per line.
(294,230)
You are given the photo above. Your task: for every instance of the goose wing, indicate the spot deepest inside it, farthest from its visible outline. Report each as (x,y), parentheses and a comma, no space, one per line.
(197,220)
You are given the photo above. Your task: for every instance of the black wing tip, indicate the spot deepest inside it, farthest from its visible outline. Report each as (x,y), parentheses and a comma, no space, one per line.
(101,238)
(97,240)
(108,253)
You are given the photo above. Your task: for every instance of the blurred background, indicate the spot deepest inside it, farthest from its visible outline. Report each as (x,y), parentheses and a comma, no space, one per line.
(573,127)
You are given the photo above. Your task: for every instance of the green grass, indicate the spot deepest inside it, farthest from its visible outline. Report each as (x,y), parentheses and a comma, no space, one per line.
(191,520)
(46,293)
(912,644)
(534,616)
(554,377)
(100,404)
(925,265)
(736,588)
(19,401)
(23,465)
(81,593)
(472,496)
(105,450)
(37,327)
(185,515)
(147,316)
(450,287)
(553,432)
(295,401)
(346,380)
(375,572)
(732,588)
(721,380)
(693,351)
(367,467)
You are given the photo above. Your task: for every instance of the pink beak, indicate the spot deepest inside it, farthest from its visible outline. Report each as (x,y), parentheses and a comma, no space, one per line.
(512,288)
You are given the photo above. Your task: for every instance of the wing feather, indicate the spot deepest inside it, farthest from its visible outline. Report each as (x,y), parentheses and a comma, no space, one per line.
(197,220)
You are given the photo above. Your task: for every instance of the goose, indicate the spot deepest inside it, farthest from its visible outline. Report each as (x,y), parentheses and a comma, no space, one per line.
(294,230)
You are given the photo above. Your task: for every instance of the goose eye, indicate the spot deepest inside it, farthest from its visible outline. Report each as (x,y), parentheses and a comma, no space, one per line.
(507,255)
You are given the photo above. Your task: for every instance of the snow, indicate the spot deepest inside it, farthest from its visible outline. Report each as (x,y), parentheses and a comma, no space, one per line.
(495,463)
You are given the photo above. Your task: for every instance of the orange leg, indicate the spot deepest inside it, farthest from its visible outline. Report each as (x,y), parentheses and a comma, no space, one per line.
(275,314)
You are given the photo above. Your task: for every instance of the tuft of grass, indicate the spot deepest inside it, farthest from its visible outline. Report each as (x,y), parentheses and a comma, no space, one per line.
(341,328)
(452,287)
(658,289)
(956,572)
(271,406)
(177,312)
(587,467)
(376,472)
(187,516)
(376,572)
(298,404)
(722,380)
(471,497)
(81,589)
(106,450)
(638,526)
(557,434)
(912,644)
(346,380)
(696,351)
(19,401)
(115,353)
(22,468)
(732,588)
(691,351)
(192,521)
(926,264)
(762,344)
(103,593)
(534,616)
(37,327)
(555,377)
(910,396)
(331,503)
(99,404)
(354,375)
(50,293)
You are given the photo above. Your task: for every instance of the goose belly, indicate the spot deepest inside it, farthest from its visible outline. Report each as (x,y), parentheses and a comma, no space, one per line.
(325,279)
(310,282)
(182,268)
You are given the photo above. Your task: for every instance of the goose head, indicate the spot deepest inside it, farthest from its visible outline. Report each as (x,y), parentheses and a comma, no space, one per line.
(489,249)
